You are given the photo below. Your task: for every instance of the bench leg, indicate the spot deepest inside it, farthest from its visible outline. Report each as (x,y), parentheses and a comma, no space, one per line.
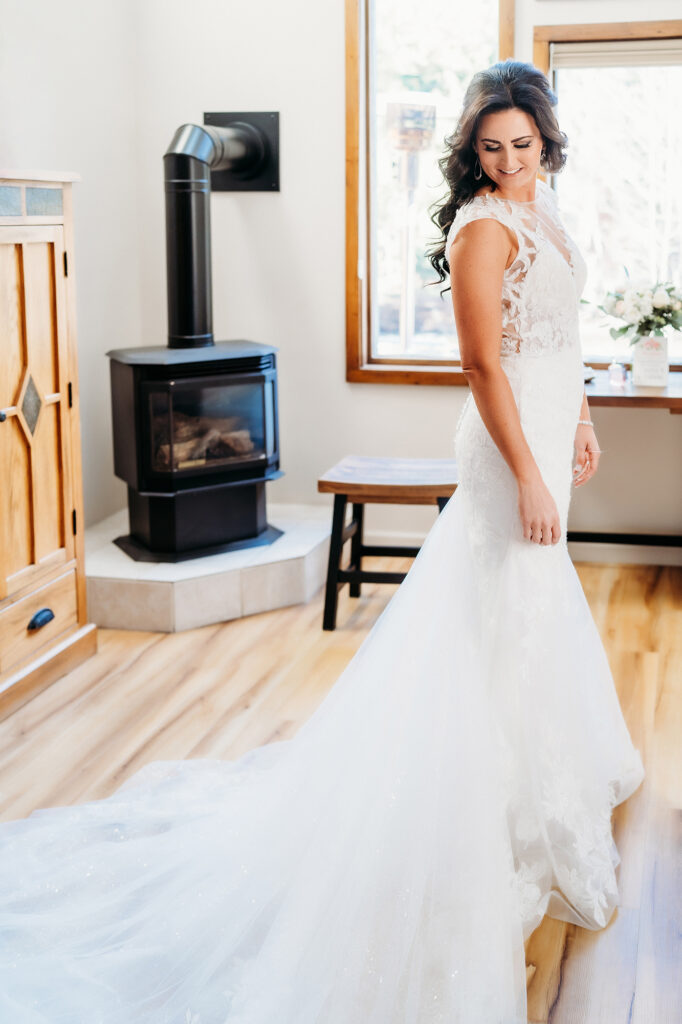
(356,547)
(331,597)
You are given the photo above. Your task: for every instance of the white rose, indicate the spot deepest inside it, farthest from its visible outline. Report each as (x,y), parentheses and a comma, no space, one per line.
(631,312)
(645,304)
(677,305)
(660,298)
(619,308)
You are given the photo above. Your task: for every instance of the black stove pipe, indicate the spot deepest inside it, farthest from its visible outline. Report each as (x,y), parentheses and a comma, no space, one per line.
(194,151)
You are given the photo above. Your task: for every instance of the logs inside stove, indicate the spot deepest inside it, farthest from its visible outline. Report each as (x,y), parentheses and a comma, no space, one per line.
(195,423)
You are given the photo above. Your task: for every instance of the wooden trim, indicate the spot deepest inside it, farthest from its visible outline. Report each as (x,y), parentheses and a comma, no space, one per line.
(71,367)
(606,31)
(61,299)
(360,367)
(354,332)
(387,361)
(398,373)
(597,364)
(506,42)
(449,376)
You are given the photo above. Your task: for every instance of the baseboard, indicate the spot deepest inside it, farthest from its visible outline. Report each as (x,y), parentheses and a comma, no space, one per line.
(624,554)
(580,551)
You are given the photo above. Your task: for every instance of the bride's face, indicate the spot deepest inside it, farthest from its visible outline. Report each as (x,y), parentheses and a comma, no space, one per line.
(509,146)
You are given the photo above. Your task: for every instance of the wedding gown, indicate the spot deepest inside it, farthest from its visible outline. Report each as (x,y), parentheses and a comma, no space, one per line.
(386,864)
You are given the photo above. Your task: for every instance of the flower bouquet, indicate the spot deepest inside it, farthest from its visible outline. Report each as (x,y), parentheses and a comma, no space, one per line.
(646,311)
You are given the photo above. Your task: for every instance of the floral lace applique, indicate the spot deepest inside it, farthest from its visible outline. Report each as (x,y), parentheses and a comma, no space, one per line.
(541,288)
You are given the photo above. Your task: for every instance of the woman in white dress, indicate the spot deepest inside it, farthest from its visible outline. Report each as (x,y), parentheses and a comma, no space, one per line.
(386,864)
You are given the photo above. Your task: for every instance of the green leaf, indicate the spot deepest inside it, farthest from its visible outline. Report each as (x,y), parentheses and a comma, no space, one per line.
(617,332)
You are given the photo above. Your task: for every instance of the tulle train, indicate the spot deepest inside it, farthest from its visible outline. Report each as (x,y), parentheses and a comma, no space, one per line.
(383,866)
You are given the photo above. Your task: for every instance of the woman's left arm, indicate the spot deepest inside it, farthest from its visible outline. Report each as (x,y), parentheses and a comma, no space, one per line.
(587,449)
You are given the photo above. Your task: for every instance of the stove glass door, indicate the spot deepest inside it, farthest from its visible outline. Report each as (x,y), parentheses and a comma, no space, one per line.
(209,423)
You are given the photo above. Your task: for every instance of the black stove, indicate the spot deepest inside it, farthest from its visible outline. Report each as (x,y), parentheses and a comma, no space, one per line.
(195,423)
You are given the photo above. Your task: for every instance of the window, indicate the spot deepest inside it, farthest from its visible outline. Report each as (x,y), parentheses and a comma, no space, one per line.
(619,192)
(408,67)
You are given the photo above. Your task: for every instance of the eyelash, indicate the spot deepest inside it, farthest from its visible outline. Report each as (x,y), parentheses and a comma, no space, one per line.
(492,149)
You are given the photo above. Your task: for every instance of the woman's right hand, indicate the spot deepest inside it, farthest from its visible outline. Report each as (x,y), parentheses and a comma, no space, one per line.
(538,512)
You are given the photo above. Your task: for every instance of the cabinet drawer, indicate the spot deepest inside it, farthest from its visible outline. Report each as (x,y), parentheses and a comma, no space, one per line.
(19,643)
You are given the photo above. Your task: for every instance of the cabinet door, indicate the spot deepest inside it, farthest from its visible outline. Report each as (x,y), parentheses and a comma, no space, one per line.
(36,532)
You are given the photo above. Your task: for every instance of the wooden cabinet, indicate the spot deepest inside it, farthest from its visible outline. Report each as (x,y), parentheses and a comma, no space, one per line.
(43,620)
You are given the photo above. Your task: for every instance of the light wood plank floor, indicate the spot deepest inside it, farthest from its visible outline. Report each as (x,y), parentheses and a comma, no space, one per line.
(220,690)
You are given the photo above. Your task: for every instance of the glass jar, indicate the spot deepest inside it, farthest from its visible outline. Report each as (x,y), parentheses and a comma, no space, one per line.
(617,374)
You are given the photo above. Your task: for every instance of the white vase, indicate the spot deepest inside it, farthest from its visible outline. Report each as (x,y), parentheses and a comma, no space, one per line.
(650,362)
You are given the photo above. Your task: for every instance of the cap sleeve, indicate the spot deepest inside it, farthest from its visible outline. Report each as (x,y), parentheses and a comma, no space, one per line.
(477,209)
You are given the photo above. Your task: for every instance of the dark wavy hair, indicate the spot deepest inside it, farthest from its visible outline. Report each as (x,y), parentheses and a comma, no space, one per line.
(502,86)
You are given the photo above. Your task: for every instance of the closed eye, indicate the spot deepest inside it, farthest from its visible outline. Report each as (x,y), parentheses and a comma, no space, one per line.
(496,149)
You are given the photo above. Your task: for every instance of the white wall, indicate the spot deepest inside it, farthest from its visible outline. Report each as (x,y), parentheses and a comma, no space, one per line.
(100,88)
(67,95)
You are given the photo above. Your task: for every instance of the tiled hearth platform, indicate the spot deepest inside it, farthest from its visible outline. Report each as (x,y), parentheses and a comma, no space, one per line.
(168,597)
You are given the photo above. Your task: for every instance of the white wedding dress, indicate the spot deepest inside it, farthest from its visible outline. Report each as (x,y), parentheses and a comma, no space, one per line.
(386,864)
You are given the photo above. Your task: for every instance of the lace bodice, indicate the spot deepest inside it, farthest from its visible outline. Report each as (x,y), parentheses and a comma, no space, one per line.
(542,287)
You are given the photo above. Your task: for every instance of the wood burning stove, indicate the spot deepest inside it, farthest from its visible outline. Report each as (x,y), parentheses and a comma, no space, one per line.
(195,423)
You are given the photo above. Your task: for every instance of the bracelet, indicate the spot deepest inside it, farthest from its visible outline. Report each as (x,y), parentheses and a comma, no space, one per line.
(586,423)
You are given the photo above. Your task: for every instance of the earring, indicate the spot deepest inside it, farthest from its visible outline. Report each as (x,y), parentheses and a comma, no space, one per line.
(478,170)
(543,153)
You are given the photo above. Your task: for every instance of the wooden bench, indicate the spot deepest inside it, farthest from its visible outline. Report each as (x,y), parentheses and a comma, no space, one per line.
(363,480)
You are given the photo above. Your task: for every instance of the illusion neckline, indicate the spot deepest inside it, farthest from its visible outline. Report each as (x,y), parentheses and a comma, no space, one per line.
(516,202)
(567,258)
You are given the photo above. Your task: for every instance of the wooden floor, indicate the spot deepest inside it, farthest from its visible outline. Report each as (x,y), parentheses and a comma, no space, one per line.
(220,690)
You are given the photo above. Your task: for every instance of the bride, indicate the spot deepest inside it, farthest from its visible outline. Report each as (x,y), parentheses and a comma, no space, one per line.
(386,865)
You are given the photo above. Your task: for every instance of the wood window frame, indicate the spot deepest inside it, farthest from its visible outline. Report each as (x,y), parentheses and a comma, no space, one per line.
(360,367)
(601,32)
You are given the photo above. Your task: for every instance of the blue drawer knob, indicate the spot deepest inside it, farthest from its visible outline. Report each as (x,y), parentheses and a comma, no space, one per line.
(41,618)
